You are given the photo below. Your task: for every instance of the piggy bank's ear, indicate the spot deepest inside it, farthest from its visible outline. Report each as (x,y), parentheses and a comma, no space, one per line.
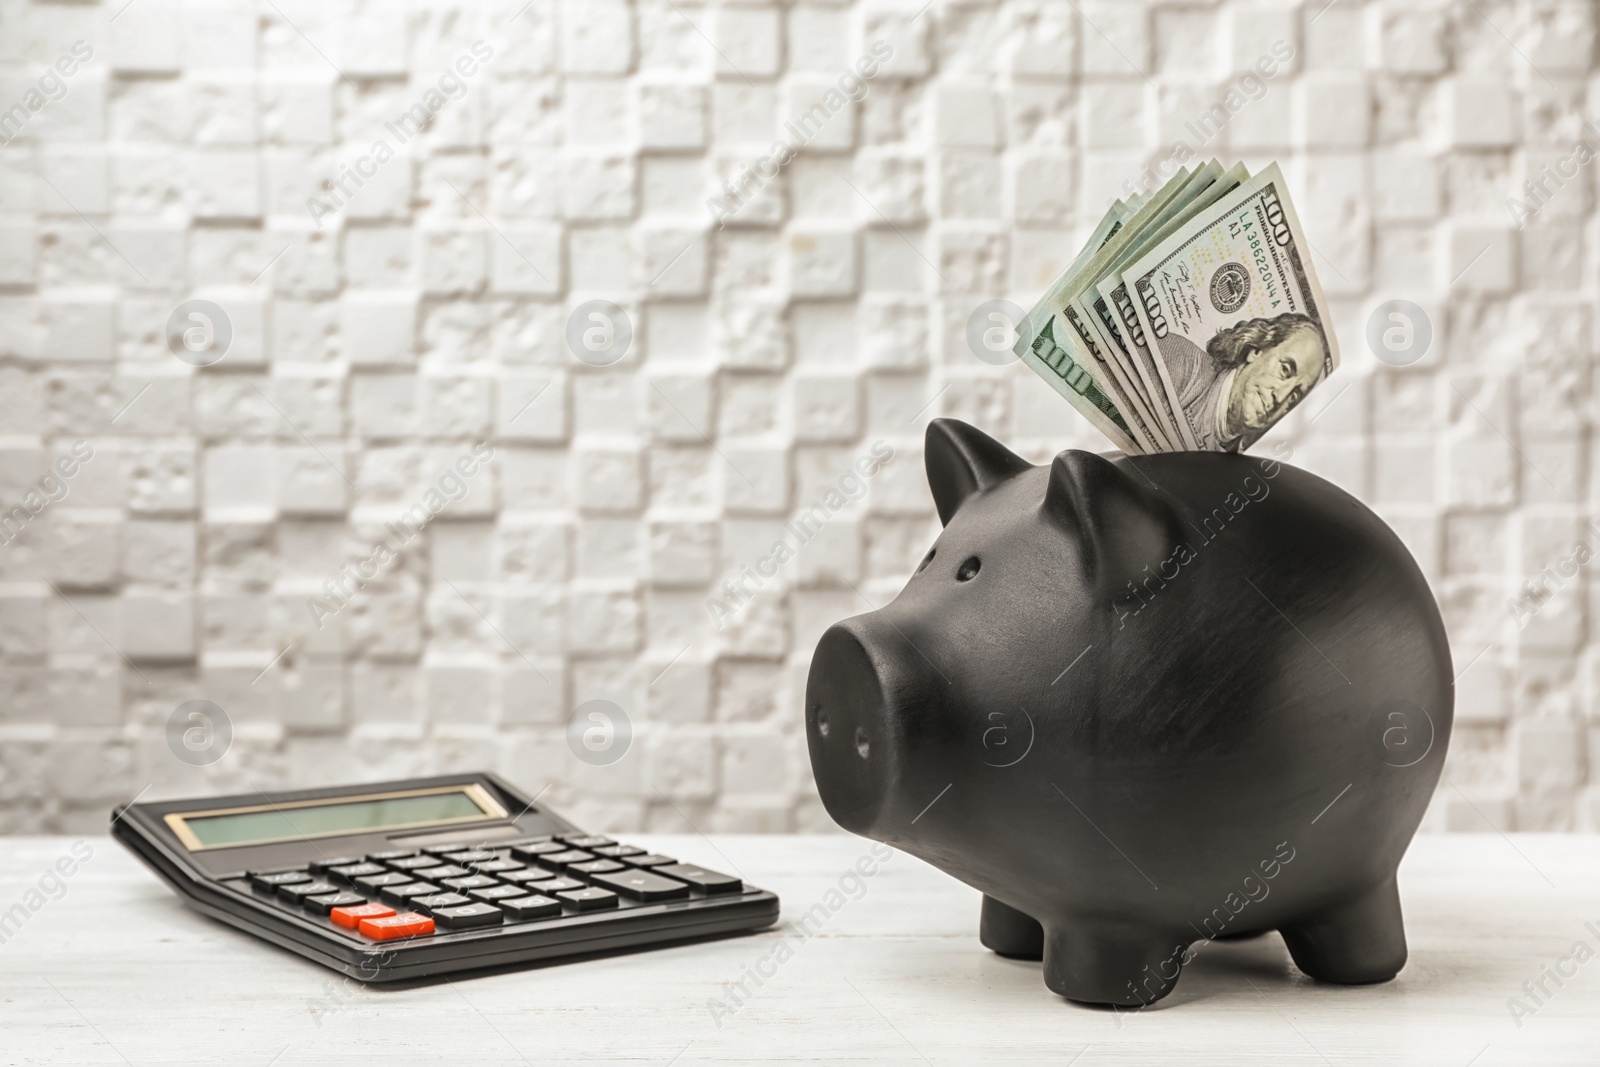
(1123,523)
(963,460)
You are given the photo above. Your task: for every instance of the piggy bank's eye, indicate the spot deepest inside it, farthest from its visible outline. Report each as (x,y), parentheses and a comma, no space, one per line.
(926,560)
(968,569)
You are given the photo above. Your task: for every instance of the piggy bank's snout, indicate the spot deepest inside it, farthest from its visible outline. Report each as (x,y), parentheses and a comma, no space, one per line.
(851,724)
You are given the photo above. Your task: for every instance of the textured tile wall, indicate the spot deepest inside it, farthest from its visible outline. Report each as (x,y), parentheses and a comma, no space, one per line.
(386,294)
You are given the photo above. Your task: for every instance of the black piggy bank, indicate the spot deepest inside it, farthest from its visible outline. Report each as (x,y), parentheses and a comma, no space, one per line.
(1145,702)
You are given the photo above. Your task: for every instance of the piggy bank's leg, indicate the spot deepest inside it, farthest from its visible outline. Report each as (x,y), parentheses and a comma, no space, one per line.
(1009,932)
(1362,940)
(1092,963)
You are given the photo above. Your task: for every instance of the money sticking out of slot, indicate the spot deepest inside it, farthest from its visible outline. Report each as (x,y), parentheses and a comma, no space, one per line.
(1192,319)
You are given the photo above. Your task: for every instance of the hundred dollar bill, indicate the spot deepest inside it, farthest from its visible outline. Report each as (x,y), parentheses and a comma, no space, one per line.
(1115,216)
(1113,309)
(1088,311)
(1070,332)
(1079,336)
(1037,347)
(1072,380)
(1232,310)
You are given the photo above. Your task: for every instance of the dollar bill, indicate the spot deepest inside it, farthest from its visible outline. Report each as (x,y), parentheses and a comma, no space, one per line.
(1113,309)
(1056,365)
(1038,348)
(1234,316)
(1090,309)
(1071,333)
(1110,379)
(1239,317)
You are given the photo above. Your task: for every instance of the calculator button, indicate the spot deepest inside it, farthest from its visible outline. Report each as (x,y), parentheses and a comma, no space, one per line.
(596,867)
(527,874)
(700,878)
(530,907)
(586,840)
(643,885)
(399,895)
(560,861)
(477,855)
(588,899)
(439,900)
(406,924)
(650,859)
(353,914)
(392,854)
(324,904)
(474,881)
(449,870)
(325,864)
(524,842)
(445,850)
(375,882)
(415,863)
(297,893)
(497,866)
(497,892)
(618,851)
(351,871)
(268,881)
(536,849)
(551,886)
(469,915)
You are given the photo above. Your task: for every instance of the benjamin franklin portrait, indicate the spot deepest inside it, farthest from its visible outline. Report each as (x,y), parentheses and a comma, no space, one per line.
(1246,378)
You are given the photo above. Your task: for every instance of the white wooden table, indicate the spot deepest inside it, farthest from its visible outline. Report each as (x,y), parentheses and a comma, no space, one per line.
(117,971)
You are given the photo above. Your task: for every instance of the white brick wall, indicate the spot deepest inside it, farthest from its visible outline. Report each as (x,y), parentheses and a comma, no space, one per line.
(428,311)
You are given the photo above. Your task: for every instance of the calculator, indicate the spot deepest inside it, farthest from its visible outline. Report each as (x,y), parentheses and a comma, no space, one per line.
(408,879)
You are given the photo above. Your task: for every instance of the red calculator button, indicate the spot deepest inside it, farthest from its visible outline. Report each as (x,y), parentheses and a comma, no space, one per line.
(353,915)
(406,924)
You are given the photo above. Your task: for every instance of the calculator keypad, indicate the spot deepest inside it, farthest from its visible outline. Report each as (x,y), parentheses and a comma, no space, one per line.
(406,893)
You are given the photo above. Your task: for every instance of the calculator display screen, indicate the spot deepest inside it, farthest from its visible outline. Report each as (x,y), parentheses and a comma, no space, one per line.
(260,824)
